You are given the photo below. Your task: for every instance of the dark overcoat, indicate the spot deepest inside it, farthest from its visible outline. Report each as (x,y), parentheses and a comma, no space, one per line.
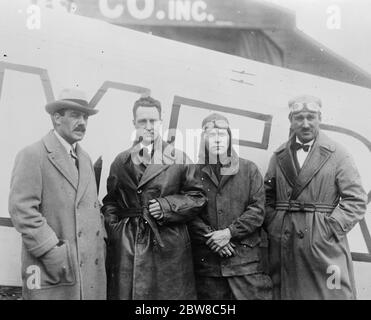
(237,203)
(149,259)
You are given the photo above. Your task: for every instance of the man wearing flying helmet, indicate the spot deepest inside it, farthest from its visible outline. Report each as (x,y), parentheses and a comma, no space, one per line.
(314,197)
(226,234)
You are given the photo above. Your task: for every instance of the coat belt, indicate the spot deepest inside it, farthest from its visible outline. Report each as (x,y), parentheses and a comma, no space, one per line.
(301,206)
(142,212)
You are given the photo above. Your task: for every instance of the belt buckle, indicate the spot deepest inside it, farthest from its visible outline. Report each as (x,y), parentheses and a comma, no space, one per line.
(302,206)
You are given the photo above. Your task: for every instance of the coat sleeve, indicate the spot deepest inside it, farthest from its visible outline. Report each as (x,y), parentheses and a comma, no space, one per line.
(270,192)
(198,228)
(353,198)
(111,202)
(24,203)
(182,207)
(253,216)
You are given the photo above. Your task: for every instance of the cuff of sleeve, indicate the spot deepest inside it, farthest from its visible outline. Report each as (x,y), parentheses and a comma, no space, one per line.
(232,228)
(342,225)
(336,228)
(44,247)
(166,210)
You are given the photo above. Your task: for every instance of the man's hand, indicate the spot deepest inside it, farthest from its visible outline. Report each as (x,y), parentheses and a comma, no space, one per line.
(155,210)
(227,251)
(218,239)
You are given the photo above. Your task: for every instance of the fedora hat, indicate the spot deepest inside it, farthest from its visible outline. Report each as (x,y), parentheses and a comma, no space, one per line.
(71,99)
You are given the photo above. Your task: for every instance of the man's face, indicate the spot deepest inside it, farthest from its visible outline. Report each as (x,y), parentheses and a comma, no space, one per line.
(147,123)
(217,141)
(72,125)
(305,125)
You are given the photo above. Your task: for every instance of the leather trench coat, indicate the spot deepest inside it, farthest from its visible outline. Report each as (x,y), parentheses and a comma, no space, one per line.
(149,259)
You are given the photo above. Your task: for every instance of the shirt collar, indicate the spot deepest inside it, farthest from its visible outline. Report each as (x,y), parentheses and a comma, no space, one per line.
(149,147)
(310,143)
(65,144)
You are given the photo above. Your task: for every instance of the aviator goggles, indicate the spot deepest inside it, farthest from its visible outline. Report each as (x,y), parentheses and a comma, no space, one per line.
(215,124)
(310,106)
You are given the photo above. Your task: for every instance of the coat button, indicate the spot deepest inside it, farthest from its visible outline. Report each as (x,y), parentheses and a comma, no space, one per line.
(220,211)
(96,261)
(80,233)
(98,232)
(139,191)
(301,234)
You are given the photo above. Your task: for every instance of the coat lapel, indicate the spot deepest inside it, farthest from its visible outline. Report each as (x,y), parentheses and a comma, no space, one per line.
(229,172)
(84,172)
(162,156)
(286,163)
(317,157)
(207,169)
(60,159)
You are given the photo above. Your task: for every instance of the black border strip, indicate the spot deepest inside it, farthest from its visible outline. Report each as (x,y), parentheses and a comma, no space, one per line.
(119,86)
(43,73)
(6,222)
(361,257)
(179,101)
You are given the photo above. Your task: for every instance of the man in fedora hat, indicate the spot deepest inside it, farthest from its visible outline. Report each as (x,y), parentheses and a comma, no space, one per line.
(53,203)
(314,197)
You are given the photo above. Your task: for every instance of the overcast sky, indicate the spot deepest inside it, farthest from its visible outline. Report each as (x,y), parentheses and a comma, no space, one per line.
(351,38)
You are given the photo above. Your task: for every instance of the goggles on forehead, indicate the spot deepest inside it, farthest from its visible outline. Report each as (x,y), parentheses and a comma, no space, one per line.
(215,124)
(310,106)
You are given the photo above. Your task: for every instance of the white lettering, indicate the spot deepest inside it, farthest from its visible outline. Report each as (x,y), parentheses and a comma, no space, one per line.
(145,13)
(171,10)
(33,280)
(108,12)
(334,18)
(333,281)
(34,17)
(183,10)
(198,11)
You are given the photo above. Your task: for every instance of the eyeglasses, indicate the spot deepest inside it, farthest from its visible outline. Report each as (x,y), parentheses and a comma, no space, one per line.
(310,106)
(218,124)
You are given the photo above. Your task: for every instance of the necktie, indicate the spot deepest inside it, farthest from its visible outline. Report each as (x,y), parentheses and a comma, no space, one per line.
(146,158)
(74,158)
(298,146)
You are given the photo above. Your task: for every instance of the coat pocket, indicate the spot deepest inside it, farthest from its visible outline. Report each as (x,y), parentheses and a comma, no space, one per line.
(58,268)
(251,241)
(325,229)
(247,251)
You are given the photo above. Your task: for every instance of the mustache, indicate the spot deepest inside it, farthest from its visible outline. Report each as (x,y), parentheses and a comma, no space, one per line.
(80,129)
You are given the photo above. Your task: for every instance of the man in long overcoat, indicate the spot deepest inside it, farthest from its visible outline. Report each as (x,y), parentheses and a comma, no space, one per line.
(53,203)
(226,234)
(314,197)
(152,193)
